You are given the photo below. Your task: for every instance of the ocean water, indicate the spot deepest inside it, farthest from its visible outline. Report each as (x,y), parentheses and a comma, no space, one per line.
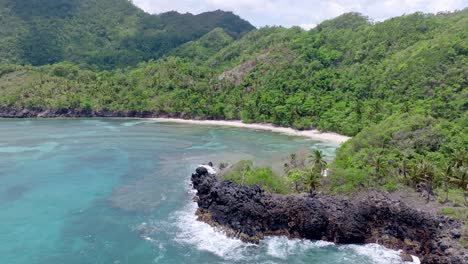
(117,191)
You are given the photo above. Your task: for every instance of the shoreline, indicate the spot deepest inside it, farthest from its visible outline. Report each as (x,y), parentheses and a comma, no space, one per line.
(169,118)
(312,134)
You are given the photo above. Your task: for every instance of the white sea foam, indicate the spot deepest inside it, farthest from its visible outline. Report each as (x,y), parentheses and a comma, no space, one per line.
(281,247)
(203,237)
(416,260)
(210,169)
(100,123)
(138,122)
(206,238)
(46,147)
(379,254)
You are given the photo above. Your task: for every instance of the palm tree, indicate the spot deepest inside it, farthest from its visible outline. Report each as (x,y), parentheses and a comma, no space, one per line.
(459,170)
(318,161)
(426,173)
(460,178)
(313,177)
(380,166)
(459,158)
(404,170)
(447,175)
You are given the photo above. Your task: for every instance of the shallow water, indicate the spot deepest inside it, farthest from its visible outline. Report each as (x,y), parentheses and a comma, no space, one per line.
(117,191)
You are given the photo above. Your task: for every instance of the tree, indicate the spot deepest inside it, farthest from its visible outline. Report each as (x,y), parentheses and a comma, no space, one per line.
(459,170)
(318,161)
(459,158)
(426,174)
(379,165)
(296,161)
(404,170)
(313,177)
(460,179)
(298,178)
(447,176)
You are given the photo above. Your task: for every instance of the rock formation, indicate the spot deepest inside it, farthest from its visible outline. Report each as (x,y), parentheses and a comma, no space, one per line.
(250,214)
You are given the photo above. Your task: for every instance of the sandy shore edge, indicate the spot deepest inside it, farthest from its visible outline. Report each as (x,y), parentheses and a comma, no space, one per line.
(312,134)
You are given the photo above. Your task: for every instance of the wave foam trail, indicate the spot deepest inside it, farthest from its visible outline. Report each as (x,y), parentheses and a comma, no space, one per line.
(282,247)
(185,229)
(45,147)
(378,253)
(206,238)
(138,122)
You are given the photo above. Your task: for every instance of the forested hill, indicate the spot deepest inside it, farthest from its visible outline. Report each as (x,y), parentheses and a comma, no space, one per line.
(342,76)
(106,34)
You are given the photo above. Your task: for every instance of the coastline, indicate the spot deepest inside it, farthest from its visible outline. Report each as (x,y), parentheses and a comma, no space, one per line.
(312,134)
(169,118)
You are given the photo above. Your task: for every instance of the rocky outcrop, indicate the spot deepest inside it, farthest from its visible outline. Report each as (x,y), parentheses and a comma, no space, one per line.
(250,214)
(6,112)
(53,113)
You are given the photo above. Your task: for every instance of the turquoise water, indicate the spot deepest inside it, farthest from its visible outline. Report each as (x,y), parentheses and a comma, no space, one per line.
(117,191)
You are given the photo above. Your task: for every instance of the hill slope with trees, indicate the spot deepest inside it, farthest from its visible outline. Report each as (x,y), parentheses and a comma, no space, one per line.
(342,76)
(105,34)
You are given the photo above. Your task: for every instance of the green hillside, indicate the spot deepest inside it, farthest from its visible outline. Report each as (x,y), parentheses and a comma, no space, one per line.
(202,49)
(102,33)
(342,76)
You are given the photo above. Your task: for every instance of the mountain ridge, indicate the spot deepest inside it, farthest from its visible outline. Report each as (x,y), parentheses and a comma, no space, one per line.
(106,34)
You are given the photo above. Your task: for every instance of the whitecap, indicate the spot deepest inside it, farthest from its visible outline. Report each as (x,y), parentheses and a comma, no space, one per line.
(209,146)
(206,238)
(282,247)
(210,169)
(46,147)
(135,123)
(416,260)
(100,123)
(377,253)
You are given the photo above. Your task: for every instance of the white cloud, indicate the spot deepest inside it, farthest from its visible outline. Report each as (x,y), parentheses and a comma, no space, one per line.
(307,26)
(306,13)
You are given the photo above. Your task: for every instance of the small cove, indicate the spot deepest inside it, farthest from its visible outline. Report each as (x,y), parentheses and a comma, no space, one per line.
(117,191)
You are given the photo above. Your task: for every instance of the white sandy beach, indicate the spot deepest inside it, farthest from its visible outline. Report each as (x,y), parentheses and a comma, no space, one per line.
(313,134)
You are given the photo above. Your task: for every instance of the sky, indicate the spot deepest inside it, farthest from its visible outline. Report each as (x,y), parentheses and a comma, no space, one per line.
(304,13)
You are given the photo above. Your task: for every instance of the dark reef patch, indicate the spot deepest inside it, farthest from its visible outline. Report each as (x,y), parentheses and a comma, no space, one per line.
(13,193)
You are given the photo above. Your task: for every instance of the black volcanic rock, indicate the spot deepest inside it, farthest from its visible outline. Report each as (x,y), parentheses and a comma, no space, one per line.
(250,214)
(54,113)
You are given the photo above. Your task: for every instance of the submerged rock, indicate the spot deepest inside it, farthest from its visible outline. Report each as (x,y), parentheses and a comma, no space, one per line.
(250,214)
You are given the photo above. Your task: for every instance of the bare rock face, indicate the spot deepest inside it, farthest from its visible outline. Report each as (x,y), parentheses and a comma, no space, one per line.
(250,214)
